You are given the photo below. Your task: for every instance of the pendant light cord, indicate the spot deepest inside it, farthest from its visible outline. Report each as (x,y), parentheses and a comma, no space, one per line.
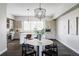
(40,5)
(29,19)
(28,14)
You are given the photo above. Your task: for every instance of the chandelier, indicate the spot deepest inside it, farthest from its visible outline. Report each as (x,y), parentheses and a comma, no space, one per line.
(40,12)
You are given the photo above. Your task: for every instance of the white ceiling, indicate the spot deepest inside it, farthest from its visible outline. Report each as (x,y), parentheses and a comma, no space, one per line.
(20,9)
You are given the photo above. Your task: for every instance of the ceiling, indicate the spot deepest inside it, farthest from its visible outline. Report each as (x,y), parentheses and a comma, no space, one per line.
(20,9)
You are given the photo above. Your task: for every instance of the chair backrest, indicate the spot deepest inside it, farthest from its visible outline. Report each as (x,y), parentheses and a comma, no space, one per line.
(48,46)
(55,48)
(28,36)
(52,47)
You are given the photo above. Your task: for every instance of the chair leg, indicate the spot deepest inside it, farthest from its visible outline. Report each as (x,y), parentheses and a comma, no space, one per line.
(42,53)
(57,53)
(35,53)
(23,54)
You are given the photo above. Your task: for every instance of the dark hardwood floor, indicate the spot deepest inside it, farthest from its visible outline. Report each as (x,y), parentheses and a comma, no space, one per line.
(64,51)
(14,49)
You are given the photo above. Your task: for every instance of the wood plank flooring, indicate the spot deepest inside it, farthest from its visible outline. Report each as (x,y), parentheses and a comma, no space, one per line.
(14,49)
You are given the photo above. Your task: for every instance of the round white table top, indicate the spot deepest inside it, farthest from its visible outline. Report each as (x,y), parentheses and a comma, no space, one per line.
(37,42)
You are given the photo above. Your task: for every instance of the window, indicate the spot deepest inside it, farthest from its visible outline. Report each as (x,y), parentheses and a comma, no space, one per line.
(33,25)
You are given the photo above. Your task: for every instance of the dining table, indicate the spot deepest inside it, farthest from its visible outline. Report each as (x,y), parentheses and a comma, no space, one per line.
(39,44)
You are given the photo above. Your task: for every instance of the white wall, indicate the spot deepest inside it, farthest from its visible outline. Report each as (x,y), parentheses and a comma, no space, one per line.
(63,9)
(3,36)
(71,40)
(9,15)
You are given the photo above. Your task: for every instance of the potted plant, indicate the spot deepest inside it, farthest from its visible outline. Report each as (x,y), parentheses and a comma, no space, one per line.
(39,33)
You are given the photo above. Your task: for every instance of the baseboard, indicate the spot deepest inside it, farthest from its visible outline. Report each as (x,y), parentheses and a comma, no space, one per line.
(3,51)
(69,47)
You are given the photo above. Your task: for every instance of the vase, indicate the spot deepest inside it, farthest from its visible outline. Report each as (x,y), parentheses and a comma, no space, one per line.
(39,36)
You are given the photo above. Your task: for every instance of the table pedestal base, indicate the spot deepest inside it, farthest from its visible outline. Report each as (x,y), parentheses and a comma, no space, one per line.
(39,50)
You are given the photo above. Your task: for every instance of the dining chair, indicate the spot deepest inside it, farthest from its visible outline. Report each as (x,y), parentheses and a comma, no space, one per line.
(51,50)
(29,37)
(26,51)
